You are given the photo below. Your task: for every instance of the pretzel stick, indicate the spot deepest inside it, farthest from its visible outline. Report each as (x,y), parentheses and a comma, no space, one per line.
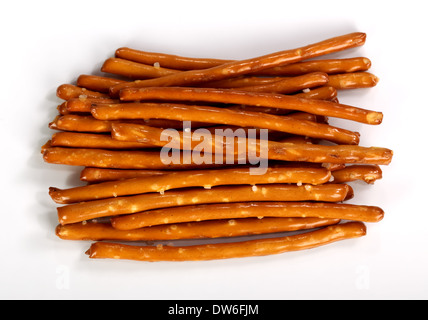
(273,150)
(366,173)
(187,63)
(97,83)
(250,248)
(117,159)
(95,175)
(353,80)
(193,230)
(262,99)
(237,68)
(191,178)
(248,210)
(84,104)
(88,140)
(322,93)
(83,123)
(109,207)
(134,70)
(69,91)
(62,108)
(224,116)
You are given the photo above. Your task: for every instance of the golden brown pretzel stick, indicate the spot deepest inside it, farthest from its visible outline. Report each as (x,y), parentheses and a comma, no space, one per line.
(322,93)
(224,116)
(84,123)
(366,173)
(193,230)
(250,248)
(116,159)
(84,104)
(167,60)
(78,212)
(238,210)
(62,108)
(237,68)
(97,83)
(134,70)
(292,84)
(353,80)
(273,150)
(92,140)
(188,63)
(69,91)
(95,175)
(191,178)
(263,99)
(329,66)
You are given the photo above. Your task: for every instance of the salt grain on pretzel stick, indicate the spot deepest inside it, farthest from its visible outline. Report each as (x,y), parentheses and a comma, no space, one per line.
(353,80)
(95,175)
(110,207)
(237,68)
(366,173)
(261,99)
(69,91)
(191,178)
(92,140)
(97,83)
(248,210)
(224,116)
(275,150)
(192,230)
(188,63)
(250,248)
(134,70)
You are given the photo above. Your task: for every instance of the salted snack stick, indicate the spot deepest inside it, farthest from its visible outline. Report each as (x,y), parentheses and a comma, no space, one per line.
(250,248)
(237,68)
(252,209)
(109,207)
(183,112)
(97,83)
(83,105)
(366,173)
(191,178)
(261,99)
(337,154)
(189,63)
(95,175)
(353,80)
(321,93)
(96,231)
(93,140)
(69,91)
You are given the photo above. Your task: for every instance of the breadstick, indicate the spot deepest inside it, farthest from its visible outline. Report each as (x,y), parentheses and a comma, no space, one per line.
(224,116)
(262,99)
(116,159)
(134,70)
(97,83)
(92,140)
(193,230)
(237,68)
(191,178)
(250,248)
(366,173)
(78,212)
(69,91)
(274,150)
(238,210)
(353,80)
(95,175)
(187,63)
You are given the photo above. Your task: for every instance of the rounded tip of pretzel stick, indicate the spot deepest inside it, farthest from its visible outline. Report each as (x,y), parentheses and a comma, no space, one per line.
(374,117)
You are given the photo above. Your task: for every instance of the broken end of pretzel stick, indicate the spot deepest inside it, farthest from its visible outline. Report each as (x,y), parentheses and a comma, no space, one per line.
(250,248)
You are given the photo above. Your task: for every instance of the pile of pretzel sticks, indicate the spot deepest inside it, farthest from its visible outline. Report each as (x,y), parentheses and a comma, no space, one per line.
(113,126)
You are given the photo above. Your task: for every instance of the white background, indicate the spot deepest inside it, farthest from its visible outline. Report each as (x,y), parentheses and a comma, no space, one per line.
(48,43)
